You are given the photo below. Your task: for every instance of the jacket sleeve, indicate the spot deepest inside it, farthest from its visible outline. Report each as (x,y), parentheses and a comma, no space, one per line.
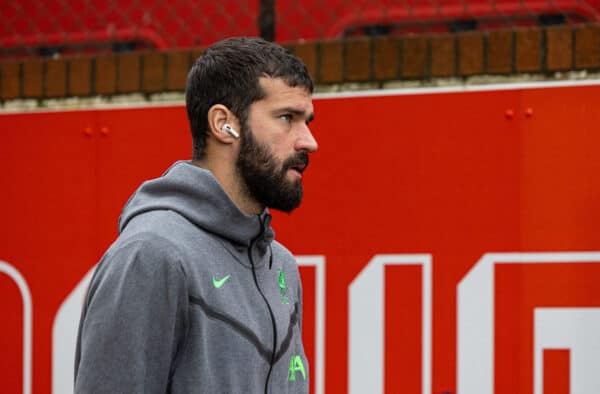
(134,320)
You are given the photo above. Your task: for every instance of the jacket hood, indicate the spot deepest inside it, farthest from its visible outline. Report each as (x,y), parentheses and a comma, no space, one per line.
(195,194)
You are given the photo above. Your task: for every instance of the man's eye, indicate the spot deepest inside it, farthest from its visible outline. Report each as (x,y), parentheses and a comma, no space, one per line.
(286,118)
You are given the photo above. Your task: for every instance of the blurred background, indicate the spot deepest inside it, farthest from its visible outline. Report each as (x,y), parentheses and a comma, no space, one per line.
(50,28)
(107,48)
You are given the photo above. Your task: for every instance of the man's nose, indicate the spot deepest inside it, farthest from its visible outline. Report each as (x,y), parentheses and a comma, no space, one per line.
(306,141)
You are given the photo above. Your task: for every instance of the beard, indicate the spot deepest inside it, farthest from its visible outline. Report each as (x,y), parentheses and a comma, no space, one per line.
(265,181)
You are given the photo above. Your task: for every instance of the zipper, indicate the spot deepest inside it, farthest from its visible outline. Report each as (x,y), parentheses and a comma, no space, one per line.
(272,362)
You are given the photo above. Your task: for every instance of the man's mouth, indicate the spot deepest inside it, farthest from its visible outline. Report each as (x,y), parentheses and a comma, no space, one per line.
(299,164)
(299,168)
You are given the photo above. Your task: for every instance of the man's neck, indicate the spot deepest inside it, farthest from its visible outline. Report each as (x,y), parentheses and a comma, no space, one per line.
(234,187)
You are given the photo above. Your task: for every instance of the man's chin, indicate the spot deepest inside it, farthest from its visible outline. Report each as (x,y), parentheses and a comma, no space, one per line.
(286,209)
(292,199)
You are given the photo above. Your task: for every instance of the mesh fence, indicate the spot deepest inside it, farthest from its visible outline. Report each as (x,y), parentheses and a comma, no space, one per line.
(48,28)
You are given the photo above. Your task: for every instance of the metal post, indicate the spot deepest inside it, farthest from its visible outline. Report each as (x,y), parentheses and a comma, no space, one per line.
(266,19)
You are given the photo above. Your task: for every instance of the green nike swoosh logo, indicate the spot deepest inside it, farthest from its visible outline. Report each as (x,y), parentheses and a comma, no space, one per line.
(218,283)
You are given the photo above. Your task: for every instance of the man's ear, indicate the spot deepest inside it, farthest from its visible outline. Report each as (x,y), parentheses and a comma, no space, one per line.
(219,116)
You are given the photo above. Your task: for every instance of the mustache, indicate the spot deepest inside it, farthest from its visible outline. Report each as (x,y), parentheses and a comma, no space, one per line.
(299,159)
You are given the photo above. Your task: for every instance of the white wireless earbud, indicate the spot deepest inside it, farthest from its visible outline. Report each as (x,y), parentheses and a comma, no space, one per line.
(230,130)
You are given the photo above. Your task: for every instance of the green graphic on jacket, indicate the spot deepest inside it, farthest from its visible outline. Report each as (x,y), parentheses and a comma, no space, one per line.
(296,365)
(282,286)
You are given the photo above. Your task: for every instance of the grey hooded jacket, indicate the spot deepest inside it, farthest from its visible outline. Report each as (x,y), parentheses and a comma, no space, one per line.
(193,297)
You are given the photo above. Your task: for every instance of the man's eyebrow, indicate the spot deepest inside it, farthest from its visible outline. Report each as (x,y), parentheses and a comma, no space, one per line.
(297,112)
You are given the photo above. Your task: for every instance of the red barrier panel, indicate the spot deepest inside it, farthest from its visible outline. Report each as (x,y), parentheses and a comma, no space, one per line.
(448,241)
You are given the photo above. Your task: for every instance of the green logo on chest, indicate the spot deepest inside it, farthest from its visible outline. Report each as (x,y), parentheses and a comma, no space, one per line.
(282,286)
(296,365)
(218,283)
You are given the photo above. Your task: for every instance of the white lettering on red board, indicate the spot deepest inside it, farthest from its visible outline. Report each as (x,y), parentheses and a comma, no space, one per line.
(19,280)
(553,327)
(573,328)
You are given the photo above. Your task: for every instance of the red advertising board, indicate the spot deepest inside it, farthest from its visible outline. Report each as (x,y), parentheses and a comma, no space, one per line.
(447,241)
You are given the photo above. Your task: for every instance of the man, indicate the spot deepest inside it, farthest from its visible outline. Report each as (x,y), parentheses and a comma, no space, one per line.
(195,296)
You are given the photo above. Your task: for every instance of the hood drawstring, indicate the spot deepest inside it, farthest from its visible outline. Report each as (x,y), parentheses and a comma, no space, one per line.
(261,233)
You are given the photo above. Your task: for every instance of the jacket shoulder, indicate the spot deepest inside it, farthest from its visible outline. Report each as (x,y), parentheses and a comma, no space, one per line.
(281,252)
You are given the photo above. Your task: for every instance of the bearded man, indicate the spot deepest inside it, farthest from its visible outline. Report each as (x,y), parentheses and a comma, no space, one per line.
(195,295)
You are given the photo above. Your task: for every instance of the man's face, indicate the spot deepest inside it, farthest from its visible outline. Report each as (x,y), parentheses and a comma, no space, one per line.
(276,142)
